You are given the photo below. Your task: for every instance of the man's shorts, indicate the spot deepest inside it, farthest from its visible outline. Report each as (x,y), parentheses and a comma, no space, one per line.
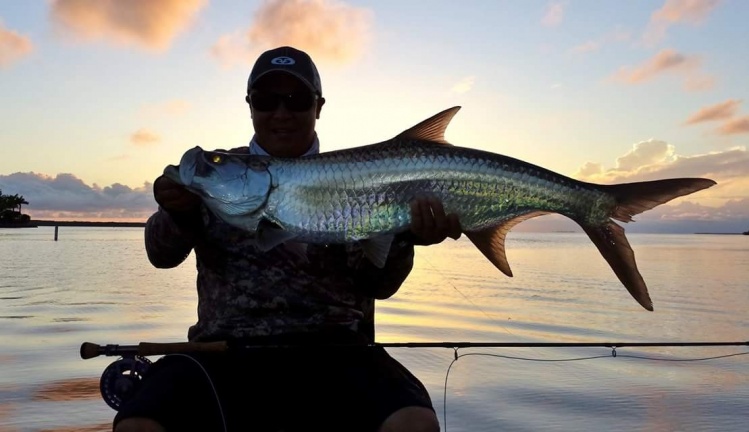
(331,384)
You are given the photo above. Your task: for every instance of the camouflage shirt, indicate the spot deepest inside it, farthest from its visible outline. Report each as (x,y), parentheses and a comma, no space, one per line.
(243,292)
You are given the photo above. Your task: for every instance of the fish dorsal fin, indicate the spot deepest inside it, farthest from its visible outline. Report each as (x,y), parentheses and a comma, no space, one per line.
(433,128)
(376,249)
(491,241)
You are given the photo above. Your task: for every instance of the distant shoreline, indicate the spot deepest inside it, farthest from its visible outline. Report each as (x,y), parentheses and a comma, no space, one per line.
(38,223)
(87,223)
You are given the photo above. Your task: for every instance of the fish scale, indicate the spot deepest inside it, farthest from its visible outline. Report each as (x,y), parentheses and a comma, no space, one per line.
(363,194)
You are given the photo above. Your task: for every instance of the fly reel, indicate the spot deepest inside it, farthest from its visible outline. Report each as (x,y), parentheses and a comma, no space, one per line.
(121,379)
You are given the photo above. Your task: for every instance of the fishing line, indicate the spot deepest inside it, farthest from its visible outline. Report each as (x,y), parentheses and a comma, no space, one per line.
(449,282)
(210,382)
(613,354)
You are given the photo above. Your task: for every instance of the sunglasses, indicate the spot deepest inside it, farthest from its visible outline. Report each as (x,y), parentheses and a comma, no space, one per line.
(267,101)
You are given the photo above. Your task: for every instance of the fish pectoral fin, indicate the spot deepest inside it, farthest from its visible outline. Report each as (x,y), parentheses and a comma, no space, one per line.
(270,235)
(376,249)
(433,128)
(491,241)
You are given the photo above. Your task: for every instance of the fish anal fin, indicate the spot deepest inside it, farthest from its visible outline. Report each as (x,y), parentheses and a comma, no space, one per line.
(433,128)
(491,241)
(613,245)
(376,249)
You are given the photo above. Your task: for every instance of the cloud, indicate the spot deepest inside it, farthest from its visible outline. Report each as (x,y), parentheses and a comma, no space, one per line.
(618,35)
(726,203)
(666,61)
(645,153)
(66,197)
(654,159)
(464,86)
(721,111)
(149,24)
(13,46)
(144,137)
(326,29)
(725,111)
(554,14)
(735,126)
(677,12)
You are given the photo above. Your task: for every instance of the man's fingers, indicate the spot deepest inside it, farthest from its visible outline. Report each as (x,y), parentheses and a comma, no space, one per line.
(416,219)
(427,219)
(454,230)
(440,219)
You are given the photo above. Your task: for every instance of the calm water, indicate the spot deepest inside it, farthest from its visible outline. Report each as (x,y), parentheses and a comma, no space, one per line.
(96,285)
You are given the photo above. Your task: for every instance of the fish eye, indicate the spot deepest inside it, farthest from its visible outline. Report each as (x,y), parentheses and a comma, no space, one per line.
(216,158)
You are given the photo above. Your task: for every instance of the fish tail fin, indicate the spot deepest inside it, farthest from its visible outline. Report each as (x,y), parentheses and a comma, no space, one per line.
(635,198)
(632,199)
(613,245)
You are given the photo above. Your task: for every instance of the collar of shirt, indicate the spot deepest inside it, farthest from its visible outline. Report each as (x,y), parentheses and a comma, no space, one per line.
(256,149)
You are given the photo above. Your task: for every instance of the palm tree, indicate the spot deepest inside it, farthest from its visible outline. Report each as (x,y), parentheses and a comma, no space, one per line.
(4,201)
(18,201)
(8,206)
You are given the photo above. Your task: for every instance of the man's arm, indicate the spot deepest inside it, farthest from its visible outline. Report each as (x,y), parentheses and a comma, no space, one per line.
(167,244)
(170,232)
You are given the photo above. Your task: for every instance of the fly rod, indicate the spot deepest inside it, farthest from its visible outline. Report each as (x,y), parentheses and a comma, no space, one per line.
(91,350)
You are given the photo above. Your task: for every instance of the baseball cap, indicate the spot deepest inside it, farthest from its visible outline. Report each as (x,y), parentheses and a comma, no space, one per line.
(290,60)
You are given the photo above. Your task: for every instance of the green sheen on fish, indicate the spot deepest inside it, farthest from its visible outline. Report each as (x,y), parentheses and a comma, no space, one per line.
(363,194)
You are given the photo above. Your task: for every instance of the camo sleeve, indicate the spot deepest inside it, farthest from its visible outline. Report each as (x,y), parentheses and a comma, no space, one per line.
(169,239)
(382,283)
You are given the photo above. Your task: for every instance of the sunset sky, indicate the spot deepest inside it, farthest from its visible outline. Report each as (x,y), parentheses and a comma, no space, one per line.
(98,96)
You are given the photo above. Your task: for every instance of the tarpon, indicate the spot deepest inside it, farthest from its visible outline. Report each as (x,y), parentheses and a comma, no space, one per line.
(363,194)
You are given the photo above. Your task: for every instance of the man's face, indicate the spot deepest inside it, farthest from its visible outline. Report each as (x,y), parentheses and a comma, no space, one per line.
(283,130)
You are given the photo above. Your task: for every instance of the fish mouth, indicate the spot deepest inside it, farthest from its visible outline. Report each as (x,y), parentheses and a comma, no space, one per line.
(188,165)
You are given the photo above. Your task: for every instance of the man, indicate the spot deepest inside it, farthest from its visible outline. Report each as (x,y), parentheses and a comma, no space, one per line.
(300,328)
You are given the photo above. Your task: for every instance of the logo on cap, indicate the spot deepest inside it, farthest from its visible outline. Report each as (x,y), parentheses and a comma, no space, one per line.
(283,61)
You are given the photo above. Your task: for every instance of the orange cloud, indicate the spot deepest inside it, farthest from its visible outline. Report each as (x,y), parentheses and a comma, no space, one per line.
(675,12)
(656,159)
(144,137)
(151,24)
(464,86)
(667,61)
(719,111)
(13,46)
(326,29)
(554,14)
(736,126)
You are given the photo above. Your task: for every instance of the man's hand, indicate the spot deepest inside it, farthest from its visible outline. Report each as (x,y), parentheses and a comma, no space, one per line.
(173,197)
(429,223)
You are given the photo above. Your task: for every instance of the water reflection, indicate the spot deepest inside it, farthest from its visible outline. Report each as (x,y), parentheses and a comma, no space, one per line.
(96,285)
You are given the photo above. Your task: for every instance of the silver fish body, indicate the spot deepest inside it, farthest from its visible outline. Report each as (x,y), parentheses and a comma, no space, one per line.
(363,194)
(360,193)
